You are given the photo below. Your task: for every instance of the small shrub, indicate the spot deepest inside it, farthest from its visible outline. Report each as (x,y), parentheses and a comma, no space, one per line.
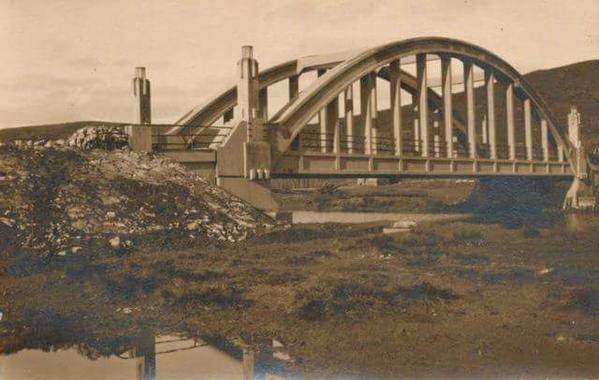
(468,235)
(530,232)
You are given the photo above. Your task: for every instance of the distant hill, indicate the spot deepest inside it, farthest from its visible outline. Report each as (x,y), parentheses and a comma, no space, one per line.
(575,84)
(49,131)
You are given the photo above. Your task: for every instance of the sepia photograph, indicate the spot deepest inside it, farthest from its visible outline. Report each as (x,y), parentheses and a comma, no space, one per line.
(299,189)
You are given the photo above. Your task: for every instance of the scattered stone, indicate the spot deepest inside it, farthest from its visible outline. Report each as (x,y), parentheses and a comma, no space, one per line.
(115,242)
(192,226)
(400,226)
(408,224)
(62,253)
(108,138)
(81,190)
(7,221)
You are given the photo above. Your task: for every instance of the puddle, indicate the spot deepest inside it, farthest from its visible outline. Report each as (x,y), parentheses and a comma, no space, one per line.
(302,217)
(161,357)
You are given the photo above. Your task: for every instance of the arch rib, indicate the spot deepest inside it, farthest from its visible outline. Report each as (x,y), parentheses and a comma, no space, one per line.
(288,123)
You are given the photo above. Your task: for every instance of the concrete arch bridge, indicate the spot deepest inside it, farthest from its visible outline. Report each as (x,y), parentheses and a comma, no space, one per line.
(430,107)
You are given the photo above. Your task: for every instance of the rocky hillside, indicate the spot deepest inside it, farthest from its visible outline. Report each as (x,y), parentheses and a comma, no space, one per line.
(63,200)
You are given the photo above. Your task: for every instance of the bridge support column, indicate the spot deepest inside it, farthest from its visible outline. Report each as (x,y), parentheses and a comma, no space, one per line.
(511,121)
(333,123)
(322,122)
(422,93)
(349,117)
(293,92)
(470,110)
(490,87)
(446,82)
(140,136)
(545,139)
(395,88)
(369,111)
(528,129)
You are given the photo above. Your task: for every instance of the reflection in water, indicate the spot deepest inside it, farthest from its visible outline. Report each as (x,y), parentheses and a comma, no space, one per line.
(161,357)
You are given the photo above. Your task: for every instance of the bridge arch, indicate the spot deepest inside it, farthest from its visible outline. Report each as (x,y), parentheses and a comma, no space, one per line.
(287,124)
(213,109)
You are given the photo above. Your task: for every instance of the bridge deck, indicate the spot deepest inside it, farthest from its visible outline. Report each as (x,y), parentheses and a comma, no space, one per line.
(363,165)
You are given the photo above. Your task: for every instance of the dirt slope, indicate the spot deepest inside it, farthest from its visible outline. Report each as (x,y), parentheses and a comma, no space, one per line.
(61,201)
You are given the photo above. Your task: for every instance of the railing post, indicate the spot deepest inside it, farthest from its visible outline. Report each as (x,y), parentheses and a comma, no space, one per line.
(140,136)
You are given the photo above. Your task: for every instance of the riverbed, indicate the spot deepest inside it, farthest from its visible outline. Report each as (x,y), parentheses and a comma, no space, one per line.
(453,297)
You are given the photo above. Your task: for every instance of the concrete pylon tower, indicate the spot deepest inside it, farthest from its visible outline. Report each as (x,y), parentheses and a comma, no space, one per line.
(574,127)
(140,136)
(581,192)
(247,173)
(141,92)
(247,94)
(575,137)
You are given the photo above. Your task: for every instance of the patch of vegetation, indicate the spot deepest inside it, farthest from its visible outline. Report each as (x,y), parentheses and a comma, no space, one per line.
(468,235)
(585,300)
(530,232)
(358,298)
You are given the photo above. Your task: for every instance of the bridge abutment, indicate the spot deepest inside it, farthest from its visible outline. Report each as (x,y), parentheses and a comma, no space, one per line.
(244,160)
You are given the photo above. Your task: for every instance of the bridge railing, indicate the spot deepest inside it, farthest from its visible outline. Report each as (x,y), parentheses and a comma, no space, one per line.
(314,141)
(189,137)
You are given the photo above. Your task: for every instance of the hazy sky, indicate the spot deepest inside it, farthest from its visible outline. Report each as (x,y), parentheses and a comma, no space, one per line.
(73,59)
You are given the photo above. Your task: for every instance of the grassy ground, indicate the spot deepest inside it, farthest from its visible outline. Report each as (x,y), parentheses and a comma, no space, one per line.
(457,299)
(405,196)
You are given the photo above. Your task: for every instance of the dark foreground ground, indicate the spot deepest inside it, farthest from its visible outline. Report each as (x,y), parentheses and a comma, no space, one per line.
(484,297)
